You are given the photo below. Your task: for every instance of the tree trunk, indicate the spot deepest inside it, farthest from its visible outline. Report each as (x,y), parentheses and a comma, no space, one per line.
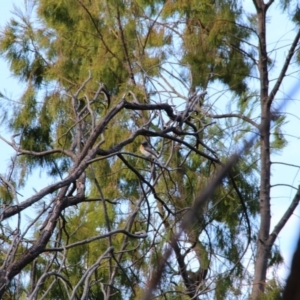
(263,247)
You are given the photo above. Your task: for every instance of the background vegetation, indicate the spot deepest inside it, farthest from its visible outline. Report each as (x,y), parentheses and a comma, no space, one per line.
(102,77)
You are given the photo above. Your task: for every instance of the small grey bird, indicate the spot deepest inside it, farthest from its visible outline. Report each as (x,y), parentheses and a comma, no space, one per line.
(146,150)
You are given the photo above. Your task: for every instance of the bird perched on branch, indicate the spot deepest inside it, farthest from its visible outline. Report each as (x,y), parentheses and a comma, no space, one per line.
(147,150)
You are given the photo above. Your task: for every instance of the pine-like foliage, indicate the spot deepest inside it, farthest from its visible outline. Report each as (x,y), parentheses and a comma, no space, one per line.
(100,78)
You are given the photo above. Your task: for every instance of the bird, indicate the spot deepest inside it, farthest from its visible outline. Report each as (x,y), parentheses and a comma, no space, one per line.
(146,150)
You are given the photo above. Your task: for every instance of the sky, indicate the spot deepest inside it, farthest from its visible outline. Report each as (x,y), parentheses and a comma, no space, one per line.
(279,35)
(8,85)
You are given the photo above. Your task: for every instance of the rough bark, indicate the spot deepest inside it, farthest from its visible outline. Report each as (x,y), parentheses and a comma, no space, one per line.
(263,249)
(266,240)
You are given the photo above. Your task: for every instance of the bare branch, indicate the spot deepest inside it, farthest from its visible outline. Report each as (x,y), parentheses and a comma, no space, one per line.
(88,274)
(21,151)
(286,216)
(231,115)
(287,63)
(98,237)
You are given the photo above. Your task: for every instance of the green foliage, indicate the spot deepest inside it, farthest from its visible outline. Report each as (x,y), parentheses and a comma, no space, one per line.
(278,142)
(275,257)
(212,42)
(222,286)
(274,290)
(130,46)
(6,196)
(25,62)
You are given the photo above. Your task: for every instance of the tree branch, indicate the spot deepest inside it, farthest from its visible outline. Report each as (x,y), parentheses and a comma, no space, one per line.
(98,237)
(239,116)
(284,218)
(34,153)
(284,68)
